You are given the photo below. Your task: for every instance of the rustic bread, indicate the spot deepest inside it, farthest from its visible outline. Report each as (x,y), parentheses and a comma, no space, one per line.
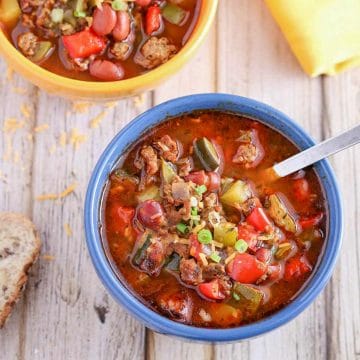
(19,249)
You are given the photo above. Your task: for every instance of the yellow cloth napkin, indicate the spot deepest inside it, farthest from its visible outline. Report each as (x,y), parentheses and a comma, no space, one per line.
(323,34)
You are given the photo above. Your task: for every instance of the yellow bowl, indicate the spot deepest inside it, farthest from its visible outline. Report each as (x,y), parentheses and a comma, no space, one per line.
(86,90)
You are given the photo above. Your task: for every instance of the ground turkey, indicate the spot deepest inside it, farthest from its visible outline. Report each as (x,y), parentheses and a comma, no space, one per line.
(121,50)
(148,158)
(28,43)
(168,148)
(190,272)
(155,52)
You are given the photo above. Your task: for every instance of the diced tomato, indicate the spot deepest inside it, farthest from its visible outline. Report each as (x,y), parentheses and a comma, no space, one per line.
(195,247)
(263,255)
(212,290)
(121,217)
(301,189)
(259,219)
(249,234)
(197,177)
(83,44)
(213,181)
(153,19)
(296,266)
(309,222)
(143,2)
(150,213)
(245,268)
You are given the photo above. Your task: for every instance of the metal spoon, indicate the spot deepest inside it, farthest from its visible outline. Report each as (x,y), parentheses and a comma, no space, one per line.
(315,153)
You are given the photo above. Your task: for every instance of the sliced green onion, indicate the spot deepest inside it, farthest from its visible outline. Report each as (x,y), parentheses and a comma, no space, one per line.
(119,5)
(57,15)
(79,14)
(194,211)
(201,189)
(182,228)
(215,257)
(205,236)
(241,246)
(235,296)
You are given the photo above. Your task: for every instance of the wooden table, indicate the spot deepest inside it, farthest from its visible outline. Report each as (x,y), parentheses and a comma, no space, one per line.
(65,312)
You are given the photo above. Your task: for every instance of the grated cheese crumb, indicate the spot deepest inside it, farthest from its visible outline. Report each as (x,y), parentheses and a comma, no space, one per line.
(41,128)
(81,107)
(12,125)
(183,241)
(62,139)
(139,100)
(19,90)
(203,259)
(95,122)
(48,257)
(25,111)
(76,138)
(218,244)
(229,258)
(68,230)
(53,196)
(16,157)
(30,137)
(52,149)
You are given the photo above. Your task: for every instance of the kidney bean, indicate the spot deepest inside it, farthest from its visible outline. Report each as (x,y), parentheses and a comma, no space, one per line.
(106,70)
(122,27)
(104,20)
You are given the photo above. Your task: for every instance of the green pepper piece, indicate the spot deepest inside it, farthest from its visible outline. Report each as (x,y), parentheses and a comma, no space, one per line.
(283,250)
(79,8)
(226,233)
(150,193)
(141,252)
(280,214)
(42,51)
(122,175)
(236,194)
(174,14)
(250,298)
(167,172)
(207,154)
(173,263)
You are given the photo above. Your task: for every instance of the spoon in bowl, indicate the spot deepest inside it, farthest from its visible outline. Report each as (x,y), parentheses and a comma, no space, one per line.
(314,154)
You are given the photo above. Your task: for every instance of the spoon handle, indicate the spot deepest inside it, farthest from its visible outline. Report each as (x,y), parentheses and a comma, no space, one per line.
(318,152)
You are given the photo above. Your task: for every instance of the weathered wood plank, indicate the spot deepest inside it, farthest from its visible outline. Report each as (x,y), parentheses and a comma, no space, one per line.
(15,174)
(257,63)
(70,315)
(341,112)
(198,76)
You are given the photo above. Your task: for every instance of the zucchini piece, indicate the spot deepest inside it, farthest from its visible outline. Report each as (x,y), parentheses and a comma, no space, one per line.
(249,298)
(174,14)
(42,52)
(207,154)
(150,193)
(141,251)
(280,214)
(9,11)
(225,184)
(236,194)
(283,250)
(167,172)
(226,233)
(173,263)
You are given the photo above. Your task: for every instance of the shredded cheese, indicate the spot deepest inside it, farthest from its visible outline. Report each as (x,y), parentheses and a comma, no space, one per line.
(218,244)
(52,196)
(62,139)
(48,257)
(76,139)
(9,74)
(25,111)
(16,157)
(41,128)
(19,90)
(12,125)
(52,149)
(139,100)
(183,241)
(81,107)
(229,258)
(110,105)
(68,230)
(203,259)
(95,122)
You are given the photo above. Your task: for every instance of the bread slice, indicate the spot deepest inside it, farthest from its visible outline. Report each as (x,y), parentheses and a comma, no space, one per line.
(19,249)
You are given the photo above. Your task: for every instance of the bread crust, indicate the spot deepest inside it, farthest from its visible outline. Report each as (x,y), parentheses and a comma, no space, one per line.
(14,219)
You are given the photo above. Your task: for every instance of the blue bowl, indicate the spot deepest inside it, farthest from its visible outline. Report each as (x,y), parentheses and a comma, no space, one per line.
(131,133)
